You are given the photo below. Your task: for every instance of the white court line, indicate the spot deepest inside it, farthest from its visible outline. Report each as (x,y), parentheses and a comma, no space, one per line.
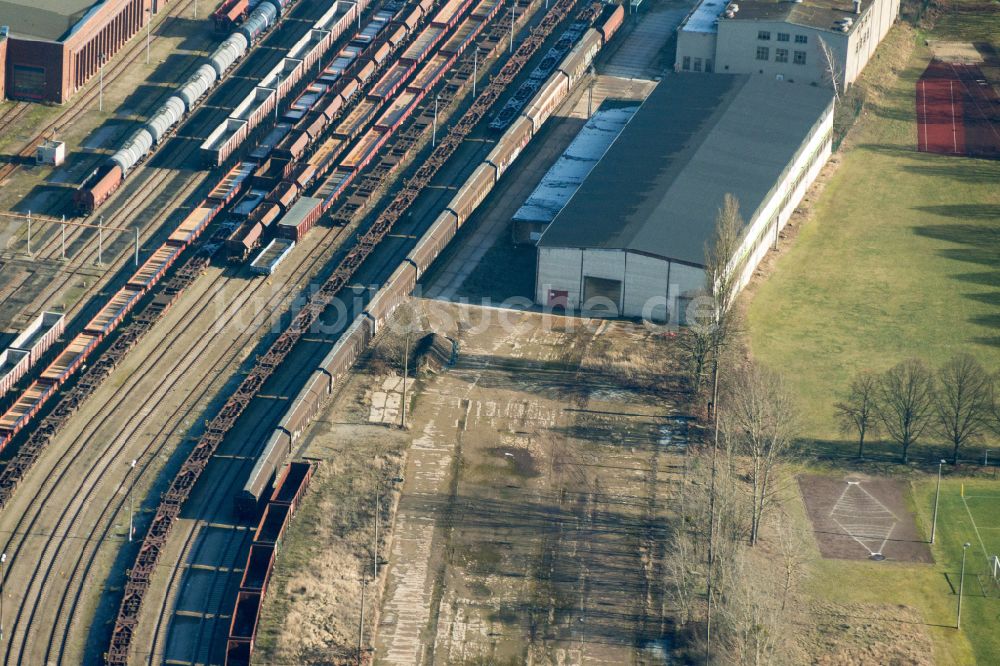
(954,130)
(976,528)
(922,86)
(861,509)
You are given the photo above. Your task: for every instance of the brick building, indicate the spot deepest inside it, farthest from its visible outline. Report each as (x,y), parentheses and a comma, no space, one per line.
(53,47)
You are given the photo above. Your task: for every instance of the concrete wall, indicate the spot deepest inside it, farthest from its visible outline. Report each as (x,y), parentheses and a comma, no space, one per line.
(698,48)
(651,287)
(738,44)
(735,47)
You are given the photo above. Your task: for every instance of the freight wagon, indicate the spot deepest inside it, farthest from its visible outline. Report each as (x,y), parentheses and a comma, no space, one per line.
(259,486)
(300,218)
(14,365)
(272,255)
(39,336)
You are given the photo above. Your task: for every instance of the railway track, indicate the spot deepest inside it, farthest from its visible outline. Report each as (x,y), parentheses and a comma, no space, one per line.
(133,49)
(214,499)
(102,489)
(148,181)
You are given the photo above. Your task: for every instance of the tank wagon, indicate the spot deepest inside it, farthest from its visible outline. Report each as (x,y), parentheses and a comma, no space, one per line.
(103,181)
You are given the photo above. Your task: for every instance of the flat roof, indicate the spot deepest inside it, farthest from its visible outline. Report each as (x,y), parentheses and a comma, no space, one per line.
(818,14)
(44,19)
(564,177)
(696,138)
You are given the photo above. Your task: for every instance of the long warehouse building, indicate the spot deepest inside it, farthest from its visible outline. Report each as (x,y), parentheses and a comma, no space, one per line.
(631,242)
(49,49)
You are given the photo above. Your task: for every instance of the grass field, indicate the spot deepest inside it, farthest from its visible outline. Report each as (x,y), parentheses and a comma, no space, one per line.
(972,520)
(901,256)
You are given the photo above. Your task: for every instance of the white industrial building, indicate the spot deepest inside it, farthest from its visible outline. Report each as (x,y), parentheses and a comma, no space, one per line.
(631,241)
(801,41)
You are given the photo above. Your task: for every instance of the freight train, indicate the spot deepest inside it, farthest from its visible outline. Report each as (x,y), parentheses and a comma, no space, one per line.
(389,92)
(80,348)
(281,505)
(103,181)
(355,339)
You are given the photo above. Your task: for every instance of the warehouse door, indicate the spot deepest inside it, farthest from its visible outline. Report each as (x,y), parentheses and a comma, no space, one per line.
(602,295)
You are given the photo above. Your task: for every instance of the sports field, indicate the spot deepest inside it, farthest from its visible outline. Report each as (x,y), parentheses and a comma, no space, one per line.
(974,519)
(900,257)
(958,112)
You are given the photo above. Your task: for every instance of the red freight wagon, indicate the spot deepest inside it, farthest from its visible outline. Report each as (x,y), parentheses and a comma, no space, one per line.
(391,80)
(70,358)
(431,72)
(260,561)
(292,484)
(108,318)
(153,269)
(284,194)
(398,111)
(27,406)
(300,218)
(364,150)
(473,192)
(192,226)
(271,527)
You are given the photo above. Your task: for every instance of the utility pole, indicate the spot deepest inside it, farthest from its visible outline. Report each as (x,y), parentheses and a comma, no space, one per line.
(961,585)
(937,497)
(131,485)
(3,558)
(361,625)
(62,228)
(100,241)
(149,22)
(29,233)
(406,371)
(100,94)
(137,246)
(513,19)
(475,69)
(434,131)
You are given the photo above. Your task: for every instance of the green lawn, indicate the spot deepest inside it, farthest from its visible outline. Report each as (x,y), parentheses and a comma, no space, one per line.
(900,258)
(981,601)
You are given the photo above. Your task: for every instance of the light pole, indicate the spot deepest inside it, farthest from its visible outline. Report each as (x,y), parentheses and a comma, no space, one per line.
(961,585)
(100,93)
(131,484)
(434,131)
(149,21)
(3,558)
(513,19)
(937,497)
(475,69)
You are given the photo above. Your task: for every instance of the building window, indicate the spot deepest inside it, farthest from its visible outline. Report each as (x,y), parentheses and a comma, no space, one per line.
(800,57)
(762,53)
(697,64)
(764,34)
(687,63)
(780,55)
(801,39)
(708,65)
(783,36)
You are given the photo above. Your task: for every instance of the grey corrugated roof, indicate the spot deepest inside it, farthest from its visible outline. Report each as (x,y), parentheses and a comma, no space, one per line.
(44,19)
(695,138)
(571,169)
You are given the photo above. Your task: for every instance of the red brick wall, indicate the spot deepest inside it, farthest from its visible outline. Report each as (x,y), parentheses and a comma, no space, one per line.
(34,70)
(66,67)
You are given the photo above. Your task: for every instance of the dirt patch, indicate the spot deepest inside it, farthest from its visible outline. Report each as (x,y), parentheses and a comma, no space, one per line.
(857,517)
(520,461)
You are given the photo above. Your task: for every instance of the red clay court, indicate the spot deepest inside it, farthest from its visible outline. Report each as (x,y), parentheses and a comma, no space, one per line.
(958,111)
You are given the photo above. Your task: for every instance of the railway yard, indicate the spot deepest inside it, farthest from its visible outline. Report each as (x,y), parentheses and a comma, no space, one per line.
(230,250)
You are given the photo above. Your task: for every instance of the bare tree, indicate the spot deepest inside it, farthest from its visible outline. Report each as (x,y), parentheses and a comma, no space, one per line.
(791,550)
(905,403)
(963,401)
(752,619)
(831,69)
(696,348)
(682,574)
(856,412)
(760,420)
